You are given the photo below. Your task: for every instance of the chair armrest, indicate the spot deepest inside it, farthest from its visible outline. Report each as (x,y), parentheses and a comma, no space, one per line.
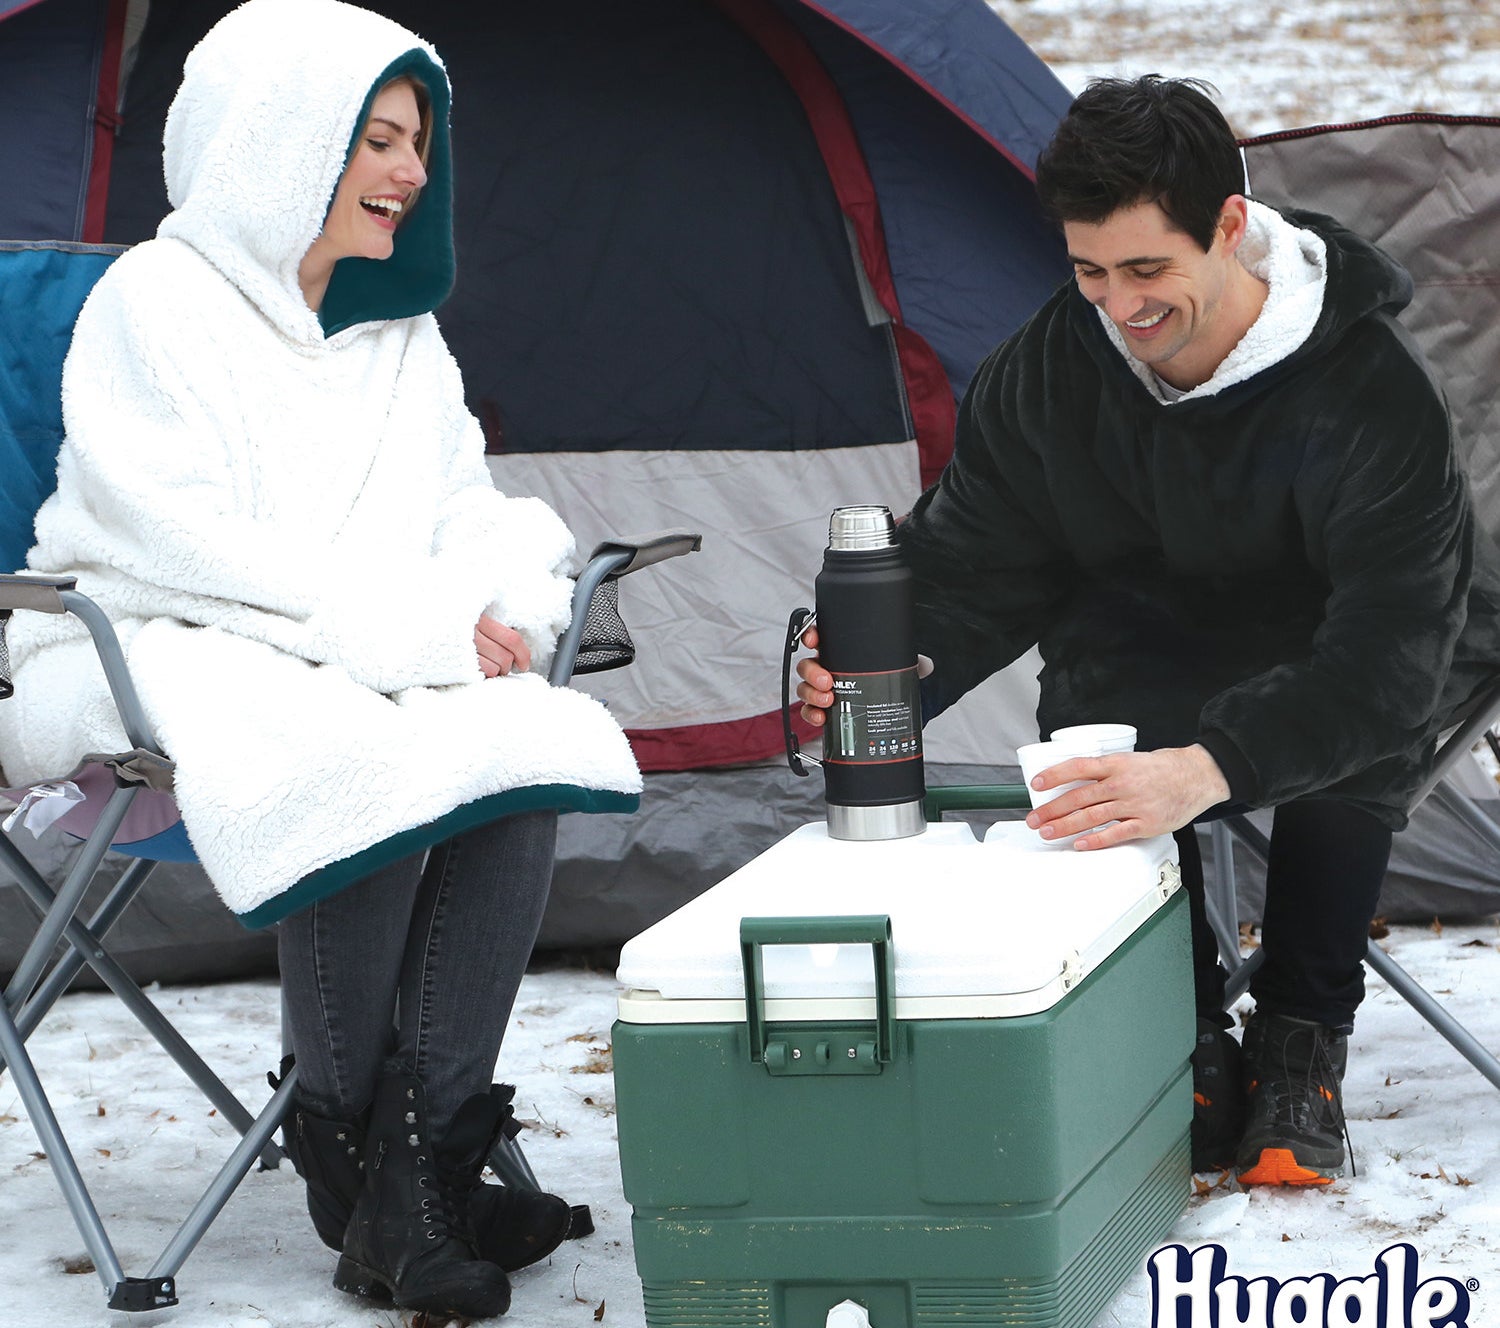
(56,594)
(34,591)
(610,560)
(644,550)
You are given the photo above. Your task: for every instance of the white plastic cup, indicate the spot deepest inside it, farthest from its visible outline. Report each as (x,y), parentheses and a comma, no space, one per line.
(1038,756)
(1105,739)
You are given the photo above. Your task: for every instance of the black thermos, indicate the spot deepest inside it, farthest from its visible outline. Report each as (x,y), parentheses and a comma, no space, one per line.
(872,740)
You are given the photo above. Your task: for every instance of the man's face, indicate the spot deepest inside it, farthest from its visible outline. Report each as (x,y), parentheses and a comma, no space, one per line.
(1159,289)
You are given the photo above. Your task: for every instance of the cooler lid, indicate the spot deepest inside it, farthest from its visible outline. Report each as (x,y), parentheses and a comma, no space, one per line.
(1009,924)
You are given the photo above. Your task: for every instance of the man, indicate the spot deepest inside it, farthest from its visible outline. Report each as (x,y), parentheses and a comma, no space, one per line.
(1214,480)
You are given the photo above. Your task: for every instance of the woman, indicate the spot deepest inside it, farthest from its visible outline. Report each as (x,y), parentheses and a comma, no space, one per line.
(335,622)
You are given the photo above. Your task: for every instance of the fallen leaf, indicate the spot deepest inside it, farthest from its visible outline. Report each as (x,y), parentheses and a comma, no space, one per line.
(1391,1115)
(601,1060)
(103,1152)
(1483,945)
(1379,929)
(584,1037)
(79,1263)
(1437,927)
(1285,1239)
(599,1313)
(101,1111)
(7,1120)
(214,1112)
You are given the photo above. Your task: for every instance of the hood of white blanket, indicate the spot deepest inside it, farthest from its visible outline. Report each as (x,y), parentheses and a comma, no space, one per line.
(271,102)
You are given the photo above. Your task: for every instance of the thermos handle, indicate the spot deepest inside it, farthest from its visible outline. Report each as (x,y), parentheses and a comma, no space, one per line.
(873,930)
(797,624)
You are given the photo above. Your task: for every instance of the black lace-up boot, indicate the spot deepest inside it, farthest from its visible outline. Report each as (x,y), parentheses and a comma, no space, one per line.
(410,1242)
(513,1227)
(1294,1071)
(1218,1098)
(328,1155)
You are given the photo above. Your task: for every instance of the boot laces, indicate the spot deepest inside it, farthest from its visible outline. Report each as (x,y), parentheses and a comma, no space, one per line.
(1310,1090)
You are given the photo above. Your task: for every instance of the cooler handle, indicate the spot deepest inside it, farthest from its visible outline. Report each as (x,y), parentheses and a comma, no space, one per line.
(872,929)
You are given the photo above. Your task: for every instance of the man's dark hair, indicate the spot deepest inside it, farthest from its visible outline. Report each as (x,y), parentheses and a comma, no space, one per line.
(1149,139)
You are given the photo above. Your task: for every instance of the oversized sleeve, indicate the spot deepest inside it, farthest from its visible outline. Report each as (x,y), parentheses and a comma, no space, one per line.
(984,543)
(518,543)
(1393,525)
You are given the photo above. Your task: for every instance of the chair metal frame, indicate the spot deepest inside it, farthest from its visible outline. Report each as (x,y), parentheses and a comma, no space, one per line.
(29,995)
(1221,895)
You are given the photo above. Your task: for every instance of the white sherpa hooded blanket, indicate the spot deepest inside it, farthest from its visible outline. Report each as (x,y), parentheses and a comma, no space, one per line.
(287,515)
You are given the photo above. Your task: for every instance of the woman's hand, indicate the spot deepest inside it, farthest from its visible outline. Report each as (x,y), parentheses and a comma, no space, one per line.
(501,648)
(1144,793)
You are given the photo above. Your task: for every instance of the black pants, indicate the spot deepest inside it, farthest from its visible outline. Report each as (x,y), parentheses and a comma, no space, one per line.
(1327,862)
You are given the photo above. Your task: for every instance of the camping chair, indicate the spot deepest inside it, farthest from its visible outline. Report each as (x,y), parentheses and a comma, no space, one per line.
(42,286)
(1221,894)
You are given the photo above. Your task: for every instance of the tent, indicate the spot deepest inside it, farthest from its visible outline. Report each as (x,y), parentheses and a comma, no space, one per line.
(723,263)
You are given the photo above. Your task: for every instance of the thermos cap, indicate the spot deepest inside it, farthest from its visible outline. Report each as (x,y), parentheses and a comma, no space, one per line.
(868,526)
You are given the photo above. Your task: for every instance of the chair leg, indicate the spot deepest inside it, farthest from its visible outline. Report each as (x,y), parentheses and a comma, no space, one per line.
(509,1163)
(256,1140)
(1399,980)
(1417,996)
(65,1169)
(85,943)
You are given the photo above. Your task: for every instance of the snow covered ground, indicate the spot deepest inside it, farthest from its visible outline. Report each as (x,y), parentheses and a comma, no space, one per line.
(1425,1126)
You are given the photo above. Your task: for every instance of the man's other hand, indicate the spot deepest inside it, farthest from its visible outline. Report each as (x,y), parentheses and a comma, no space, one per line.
(1143,793)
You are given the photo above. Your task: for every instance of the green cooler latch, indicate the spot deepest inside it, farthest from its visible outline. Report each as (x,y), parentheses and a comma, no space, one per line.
(820,1048)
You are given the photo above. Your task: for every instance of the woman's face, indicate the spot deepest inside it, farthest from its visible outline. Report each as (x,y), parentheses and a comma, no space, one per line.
(381,177)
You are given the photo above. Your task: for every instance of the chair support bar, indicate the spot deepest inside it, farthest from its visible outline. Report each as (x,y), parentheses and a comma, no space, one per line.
(127,702)
(256,1140)
(60,914)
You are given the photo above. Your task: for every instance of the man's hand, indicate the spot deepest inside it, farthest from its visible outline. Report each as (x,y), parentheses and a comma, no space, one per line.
(1146,793)
(500,648)
(815,691)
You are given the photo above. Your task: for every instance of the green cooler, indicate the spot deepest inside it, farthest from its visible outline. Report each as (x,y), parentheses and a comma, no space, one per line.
(920,1082)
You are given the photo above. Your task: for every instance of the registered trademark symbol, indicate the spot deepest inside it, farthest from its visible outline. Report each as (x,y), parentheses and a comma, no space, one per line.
(1472,1284)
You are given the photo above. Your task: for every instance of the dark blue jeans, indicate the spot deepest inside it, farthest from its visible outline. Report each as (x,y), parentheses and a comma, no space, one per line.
(445,944)
(1327,863)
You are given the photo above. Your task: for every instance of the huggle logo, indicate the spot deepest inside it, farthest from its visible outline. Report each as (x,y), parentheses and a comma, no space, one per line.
(1191,1290)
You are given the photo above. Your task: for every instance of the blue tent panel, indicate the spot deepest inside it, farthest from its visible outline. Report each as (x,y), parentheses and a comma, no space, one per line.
(42,290)
(969,59)
(49,78)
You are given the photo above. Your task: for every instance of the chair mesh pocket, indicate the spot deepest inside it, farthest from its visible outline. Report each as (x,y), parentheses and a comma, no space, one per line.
(6,689)
(606,642)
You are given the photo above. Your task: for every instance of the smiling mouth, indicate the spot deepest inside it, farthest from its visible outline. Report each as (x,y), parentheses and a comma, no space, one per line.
(385,209)
(1146,324)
